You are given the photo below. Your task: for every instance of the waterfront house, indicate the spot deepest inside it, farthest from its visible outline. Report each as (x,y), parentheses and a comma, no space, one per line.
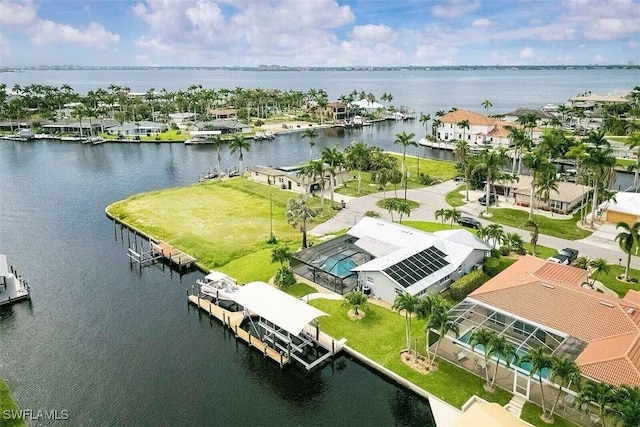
(335,111)
(568,197)
(223,113)
(542,117)
(72,127)
(537,303)
(625,208)
(224,126)
(181,119)
(385,258)
(367,106)
(284,179)
(143,128)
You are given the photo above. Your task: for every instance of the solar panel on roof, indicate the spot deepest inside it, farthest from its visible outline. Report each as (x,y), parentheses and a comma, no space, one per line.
(417,267)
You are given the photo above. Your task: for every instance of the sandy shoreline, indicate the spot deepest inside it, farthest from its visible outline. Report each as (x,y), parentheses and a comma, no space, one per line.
(290,126)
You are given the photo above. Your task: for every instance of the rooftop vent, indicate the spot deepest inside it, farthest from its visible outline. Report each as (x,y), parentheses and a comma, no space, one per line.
(548,286)
(606,303)
(631,310)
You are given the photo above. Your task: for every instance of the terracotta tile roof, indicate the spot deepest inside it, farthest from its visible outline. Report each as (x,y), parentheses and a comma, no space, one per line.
(473,118)
(551,294)
(633,296)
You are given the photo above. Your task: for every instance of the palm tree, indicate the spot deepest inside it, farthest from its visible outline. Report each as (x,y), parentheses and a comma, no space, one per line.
(79,112)
(442,215)
(280,254)
(464,125)
(502,348)
(535,233)
(514,242)
(409,304)
(405,140)
(626,239)
(311,134)
(462,151)
(490,163)
(334,159)
(403,208)
(600,160)
(495,233)
(357,157)
(537,164)
(424,120)
(355,299)
(598,266)
(564,372)
(634,143)
(382,178)
(239,145)
(581,262)
(483,337)
(539,360)
(486,104)
(628,405)
(443,324)
(217,143)
(453,214)
(547,182)
(427,307)
(298,212)
(602,395)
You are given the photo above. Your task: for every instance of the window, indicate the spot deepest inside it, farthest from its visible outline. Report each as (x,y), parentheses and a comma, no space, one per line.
(280,180)
(370,280)
(555,204)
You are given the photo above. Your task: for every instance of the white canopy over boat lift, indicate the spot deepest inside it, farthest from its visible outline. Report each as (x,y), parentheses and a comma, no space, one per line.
(284,322)
(13,288)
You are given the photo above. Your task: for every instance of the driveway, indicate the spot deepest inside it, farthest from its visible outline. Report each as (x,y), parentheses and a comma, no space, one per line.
(601,244)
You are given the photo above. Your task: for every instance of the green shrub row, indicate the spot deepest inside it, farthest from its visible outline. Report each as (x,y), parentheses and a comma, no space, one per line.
(467,284)
(491,266)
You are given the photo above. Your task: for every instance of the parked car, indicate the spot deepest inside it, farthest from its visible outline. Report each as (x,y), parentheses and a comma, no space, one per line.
(467,221)
(566,256)
(459,179)
(483,199)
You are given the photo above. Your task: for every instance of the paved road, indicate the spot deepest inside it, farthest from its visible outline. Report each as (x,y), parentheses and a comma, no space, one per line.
(599,245)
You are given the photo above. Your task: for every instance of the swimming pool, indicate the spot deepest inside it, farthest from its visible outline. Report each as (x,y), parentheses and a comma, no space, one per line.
(525,366)
(340,267)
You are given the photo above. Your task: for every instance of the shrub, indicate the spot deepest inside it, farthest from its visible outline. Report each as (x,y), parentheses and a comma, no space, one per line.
(372,214)
(505,250)
(521,251)
(427,180)
(178,132)
(495,253)
(467,284)
(272,240)
(174,126)
(258,123)
(284,278)
(491,266)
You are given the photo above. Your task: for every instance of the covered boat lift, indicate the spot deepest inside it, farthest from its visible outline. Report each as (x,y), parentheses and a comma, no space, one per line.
(285,323)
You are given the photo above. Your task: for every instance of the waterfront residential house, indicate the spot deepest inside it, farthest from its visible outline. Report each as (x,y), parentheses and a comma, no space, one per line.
(384,258)
(143,128)
(335,111)
(542,117)
(224,126)
(182,119)
(367,106)
(625,208)
(223,113)
(72,127)
(284,179)
(537,303)
(568,197)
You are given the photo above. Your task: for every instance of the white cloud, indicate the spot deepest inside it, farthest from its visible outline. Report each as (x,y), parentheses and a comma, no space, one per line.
(17,12)
(45,33)
(454,8)
(373,33)
(599,58)
(482,23)
(527,53)
(605,19)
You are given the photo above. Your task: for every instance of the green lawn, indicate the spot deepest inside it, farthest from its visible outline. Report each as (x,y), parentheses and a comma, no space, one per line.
(625,162)
(299,290)
(611,281)
(543,252)
(380,335)
(455,198)
(531,414)
(7,403)
(563,228)
(216,222)
(383,203)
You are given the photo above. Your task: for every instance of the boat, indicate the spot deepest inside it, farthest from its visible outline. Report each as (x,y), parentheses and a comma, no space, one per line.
(13,288)
(218,285)
(195,140)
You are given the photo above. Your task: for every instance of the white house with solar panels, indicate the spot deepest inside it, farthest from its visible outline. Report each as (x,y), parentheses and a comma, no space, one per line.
(384,258)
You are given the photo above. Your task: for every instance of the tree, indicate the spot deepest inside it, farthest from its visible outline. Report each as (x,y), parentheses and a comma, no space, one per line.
(564,372)
(298,212)
(547,182)
(535,232)
(403,208)
(603,395)
(442,215)
(464,125)
(598,266)
(634,143)
(626,239)
(502,348)
(600,160)
(427,307)
(486,104)
(443,324)
(217,143)
(514,242)
(491,161)
(382,178)
(483,337)
(495,233)
(462,151)
(334,159)
(539,360)
(280,254)
(581,262)
(355,299)
(406,140)
(239,145)
(409,304)
(453,215)
(311,134)
(424,120)
(628,405)
(537,164)
(357,157)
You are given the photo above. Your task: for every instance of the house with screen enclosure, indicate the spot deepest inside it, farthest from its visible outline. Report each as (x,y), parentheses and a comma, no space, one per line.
(384,258)
(536,303)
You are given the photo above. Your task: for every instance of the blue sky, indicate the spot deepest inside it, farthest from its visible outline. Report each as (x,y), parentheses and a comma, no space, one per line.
(319,32)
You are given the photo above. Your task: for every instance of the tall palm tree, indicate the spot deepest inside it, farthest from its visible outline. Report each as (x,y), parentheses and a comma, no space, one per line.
(355,299)
(406,140)
(298,212)
(629,235)
(280,254)
(601,161)
(495,232)
(491,161)
(603,395)
(464,125)
(443,324)
(357,157)
(453,215)
(442,215)
(382,177)
(403,208)
(503,349)
(217,143)
(409,304)
(634,143)
(424,120)
(483,337)
(311,134)
(539,360)
(598,266)
(462,152)
(535,233)
(427,307)
(564,372)
(239,145)
(334,159)
(547,182)
(537,164)
(486,104)
(628,405)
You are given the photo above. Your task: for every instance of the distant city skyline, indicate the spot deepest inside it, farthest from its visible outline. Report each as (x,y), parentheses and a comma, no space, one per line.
(319,33)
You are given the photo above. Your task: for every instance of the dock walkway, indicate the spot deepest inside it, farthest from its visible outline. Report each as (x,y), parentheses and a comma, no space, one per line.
(173,255)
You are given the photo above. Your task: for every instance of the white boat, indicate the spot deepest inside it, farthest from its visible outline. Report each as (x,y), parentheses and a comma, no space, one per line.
(217,285)
(12,288)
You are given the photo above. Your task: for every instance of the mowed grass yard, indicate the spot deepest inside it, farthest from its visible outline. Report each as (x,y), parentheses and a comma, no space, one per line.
(216,222)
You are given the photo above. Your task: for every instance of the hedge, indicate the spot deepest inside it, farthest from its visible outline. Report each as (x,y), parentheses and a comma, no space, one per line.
(491,266)
(467,284)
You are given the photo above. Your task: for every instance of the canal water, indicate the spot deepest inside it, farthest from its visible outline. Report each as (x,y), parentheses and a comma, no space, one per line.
(116,347)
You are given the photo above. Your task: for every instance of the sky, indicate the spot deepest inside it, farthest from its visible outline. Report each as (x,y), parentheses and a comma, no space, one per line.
(319,32)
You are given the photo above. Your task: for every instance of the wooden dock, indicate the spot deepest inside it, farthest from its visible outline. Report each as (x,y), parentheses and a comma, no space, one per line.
(233,320)
(173,255)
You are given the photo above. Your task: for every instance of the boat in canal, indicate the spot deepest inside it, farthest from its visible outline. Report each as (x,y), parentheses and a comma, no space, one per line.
(218,285)
(13,288)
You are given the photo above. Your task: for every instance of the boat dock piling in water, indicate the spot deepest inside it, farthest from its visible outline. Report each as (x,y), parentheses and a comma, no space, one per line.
(13,287)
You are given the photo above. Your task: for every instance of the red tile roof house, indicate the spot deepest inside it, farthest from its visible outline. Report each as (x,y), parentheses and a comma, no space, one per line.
(539,303)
